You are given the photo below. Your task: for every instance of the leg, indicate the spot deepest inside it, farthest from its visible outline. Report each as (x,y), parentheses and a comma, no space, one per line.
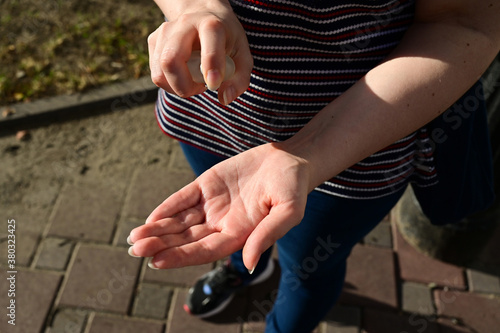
(313,258)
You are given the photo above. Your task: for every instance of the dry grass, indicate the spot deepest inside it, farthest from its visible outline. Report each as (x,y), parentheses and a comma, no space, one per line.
(57,47)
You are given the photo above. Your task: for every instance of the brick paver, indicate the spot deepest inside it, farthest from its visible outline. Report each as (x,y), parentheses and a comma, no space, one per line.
(381,235)
(150,186)
(152,301)
(29,230)
(417,298)
(124,229)
(376,321)
(480,312)
(87,211)
(109,324)
(102,278)
(452,326)
(343,319)
(30,204)
(417,267)
(483,282)
(181,322)
(69,320)
(34,293)
(55,253)
(330,327)
(371,278)
(26,244)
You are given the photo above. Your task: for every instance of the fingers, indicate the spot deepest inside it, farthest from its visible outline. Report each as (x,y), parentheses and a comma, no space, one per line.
(239,82)
(173,225)
(274,226)
(170,47)
(149,247)
(155,42)
(213,52)
(187,197)
(206,250)
(155,69)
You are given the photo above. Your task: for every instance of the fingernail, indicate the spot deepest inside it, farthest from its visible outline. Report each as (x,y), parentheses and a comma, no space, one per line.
(228,95)
(213,79)
(129,241)
(151,265)
(250,271)
(131,252)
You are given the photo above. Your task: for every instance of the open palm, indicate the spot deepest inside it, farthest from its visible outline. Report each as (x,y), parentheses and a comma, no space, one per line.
(247,201)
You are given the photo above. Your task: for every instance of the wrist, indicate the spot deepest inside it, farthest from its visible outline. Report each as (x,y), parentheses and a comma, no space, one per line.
(316,147)
(298,152)
(173,9)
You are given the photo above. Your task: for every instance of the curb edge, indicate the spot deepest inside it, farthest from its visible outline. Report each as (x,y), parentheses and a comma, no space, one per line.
(109,98)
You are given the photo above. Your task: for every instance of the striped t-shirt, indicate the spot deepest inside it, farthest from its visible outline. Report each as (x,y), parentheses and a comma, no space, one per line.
(306,53)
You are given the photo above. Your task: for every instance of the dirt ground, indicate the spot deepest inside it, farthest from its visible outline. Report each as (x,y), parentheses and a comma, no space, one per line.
(55,47)
(103,149)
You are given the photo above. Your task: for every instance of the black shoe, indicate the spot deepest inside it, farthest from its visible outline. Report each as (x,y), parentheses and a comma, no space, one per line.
(214,290)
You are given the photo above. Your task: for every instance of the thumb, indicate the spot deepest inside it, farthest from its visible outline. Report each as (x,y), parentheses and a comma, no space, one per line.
(274,226)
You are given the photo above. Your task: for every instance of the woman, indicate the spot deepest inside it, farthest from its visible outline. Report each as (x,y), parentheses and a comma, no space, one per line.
(310,143)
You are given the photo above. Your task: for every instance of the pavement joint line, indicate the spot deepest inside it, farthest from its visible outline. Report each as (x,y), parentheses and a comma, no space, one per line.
(122,213)
(50,315)
(88,322)
(171,308)
(45,231)
(142,272)
(107,98)
(63,283)
(55,207)
(114,315)
(34,257)
(128,194)
(37,253)
(133,297)
(116,226)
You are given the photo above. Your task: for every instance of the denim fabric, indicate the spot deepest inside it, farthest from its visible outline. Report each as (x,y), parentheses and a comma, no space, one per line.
(313,254)
(313,257)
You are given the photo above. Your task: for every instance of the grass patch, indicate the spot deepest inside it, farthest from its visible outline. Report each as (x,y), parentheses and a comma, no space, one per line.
(58,47)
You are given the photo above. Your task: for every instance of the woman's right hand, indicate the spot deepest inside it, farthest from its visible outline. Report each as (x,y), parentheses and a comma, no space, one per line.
(209,26)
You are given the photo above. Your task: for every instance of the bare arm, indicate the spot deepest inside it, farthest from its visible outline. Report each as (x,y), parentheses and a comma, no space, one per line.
(445,51)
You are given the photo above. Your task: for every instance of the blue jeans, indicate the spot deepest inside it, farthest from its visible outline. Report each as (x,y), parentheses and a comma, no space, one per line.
(312,255)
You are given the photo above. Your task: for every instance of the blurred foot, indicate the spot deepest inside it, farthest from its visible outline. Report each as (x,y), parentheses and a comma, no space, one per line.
(214,291)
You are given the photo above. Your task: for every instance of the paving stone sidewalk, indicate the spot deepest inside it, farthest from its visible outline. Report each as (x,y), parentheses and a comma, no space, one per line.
(73,273)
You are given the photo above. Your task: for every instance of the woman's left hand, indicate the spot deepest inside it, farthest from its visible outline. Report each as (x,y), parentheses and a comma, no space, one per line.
(248,201)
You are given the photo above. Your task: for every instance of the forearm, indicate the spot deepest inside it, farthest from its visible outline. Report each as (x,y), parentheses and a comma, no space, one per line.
(432,67)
